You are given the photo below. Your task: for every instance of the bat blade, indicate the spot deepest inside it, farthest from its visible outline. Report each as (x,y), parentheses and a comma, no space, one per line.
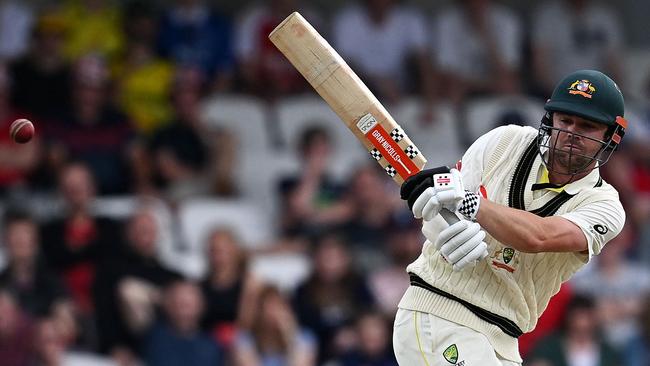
(348,97)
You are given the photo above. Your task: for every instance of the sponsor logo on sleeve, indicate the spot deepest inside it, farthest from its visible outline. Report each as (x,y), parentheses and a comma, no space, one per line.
(601,229)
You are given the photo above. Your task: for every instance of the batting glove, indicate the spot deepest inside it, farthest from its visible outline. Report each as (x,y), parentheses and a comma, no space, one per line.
(446,191)
(462,245)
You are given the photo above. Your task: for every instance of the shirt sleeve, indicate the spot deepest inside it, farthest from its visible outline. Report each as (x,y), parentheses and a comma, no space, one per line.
(475,158)
(599,221)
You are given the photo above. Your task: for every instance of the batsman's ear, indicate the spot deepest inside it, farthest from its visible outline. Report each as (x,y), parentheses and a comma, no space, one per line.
(421,181)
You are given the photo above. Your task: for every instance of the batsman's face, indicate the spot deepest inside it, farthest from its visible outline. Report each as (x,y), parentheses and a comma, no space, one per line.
(577,144)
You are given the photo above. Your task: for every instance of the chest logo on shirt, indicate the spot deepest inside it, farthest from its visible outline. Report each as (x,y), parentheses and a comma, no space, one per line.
(451,354)
(505,258)
(583,88)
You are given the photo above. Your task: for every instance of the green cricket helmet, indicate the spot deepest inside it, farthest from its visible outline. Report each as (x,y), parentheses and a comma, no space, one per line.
(592,95)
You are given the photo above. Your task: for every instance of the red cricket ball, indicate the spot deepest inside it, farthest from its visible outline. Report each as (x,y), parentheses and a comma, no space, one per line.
(21,130)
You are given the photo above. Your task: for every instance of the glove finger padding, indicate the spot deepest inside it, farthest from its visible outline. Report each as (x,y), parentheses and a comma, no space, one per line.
(466,246)
(421,202)
(432,208)
(451,231)
(479,252)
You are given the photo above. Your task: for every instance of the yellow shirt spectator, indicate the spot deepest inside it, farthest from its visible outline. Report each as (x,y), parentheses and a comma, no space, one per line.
(144,92)
(93,27)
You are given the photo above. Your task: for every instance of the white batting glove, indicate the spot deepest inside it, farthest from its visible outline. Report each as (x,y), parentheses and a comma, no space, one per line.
(462,245)
(447,192)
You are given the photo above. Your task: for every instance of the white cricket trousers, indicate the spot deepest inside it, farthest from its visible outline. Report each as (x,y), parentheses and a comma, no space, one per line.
(422,339)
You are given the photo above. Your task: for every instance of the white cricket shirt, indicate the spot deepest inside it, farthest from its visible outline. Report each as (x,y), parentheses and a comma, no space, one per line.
(510,283)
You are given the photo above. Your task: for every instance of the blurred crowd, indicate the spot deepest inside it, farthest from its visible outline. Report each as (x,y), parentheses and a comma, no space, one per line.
(101,262)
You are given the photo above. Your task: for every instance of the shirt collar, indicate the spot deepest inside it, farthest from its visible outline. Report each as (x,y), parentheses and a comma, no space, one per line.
(588,181)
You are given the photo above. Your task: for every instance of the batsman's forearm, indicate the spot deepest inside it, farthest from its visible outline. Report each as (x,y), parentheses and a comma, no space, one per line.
(528,232)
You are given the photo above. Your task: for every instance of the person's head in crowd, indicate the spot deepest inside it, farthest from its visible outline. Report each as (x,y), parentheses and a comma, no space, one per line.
(581,320)
(332,260)
(283,8)
(142,233)
(405,242)
(90,80)
(369,185)
(186,94)
(142,25)
(183,306)
(77,186)
(373,335)
(315,145)
(225,254)
(66,322)
(48,38)
(379,9)
(21,238)
(273,316)
(48,346)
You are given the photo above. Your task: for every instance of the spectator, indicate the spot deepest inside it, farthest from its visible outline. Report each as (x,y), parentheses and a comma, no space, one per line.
(93,27)
(192,35)
(264,70)
(94,131)
(307,195)
(16,161)
(50,349)
(41,79)
(16,20)
(16,331)
(77,242)
(574,34)
(619,287)
(379,38)
(143,79)
(180,151)
(389,283)
(374,343)
(178,340)
(332,297)
(375,207)
(127,289)
(36,289)
(637,351)
(230,290)
(276,337)
(479,45)
(578,342)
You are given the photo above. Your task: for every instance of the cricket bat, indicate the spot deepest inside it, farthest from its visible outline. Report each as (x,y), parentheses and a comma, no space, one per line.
(350,99)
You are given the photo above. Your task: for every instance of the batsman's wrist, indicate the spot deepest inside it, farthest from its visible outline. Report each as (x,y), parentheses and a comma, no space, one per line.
(469,206)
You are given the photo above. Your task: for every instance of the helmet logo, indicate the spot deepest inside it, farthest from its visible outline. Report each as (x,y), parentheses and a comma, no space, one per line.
(583,88)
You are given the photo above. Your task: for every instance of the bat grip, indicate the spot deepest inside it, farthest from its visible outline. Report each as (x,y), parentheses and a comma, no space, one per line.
(449,216)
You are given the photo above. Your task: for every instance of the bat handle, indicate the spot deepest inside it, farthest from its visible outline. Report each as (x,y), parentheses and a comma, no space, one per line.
(449,216)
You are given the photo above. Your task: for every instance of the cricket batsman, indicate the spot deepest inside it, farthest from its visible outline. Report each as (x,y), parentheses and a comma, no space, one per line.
(533,211)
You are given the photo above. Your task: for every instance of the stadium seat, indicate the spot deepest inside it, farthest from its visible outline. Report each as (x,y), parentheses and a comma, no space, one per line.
(198,217)
(438,140)
(484,114)
(245,117)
